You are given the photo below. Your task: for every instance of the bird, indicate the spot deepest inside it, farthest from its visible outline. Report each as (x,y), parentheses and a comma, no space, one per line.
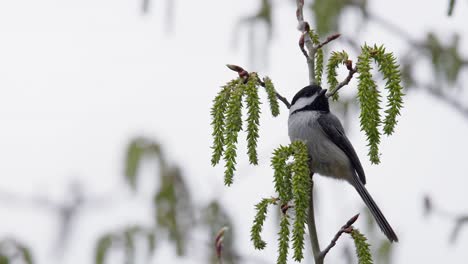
(330,151)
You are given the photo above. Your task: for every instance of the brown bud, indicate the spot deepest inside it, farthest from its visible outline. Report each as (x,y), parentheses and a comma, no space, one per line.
(235,68)
(349,64)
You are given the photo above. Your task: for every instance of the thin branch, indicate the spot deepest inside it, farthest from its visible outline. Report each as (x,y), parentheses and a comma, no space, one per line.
(306,41)
(444,97)
(328,40)
(311,225)
(283,99)
(396,30)
(450,8)
(346,81)
(245,75)
(344,229)
(304,27)
(459,220)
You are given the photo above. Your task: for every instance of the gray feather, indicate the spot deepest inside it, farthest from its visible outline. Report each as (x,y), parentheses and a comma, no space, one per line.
(332,127)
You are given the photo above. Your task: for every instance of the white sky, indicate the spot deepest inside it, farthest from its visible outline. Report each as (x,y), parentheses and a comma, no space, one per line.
(78,79)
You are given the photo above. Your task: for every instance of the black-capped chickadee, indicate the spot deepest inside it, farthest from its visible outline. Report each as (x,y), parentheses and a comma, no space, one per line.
(311,121)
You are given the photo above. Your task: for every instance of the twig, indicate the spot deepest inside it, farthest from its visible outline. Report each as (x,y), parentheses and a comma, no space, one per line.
(444,97)
(219,243)
(245,75)
(242,73)
(311,225)
(304,27)
(344,229)
(306,41)
(346,81)
(459,219)
(450,8)
(328,40)
(283,99)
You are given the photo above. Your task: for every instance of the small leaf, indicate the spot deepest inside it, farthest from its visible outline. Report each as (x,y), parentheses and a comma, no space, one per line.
(362,247)
(301,192)
(272,99)
(26,254)
(334,61)
(253,117)
(283,240)
(134,153)
(218,119)
(257,226)
(151,240)
(233,126)
(102,248)
(369,99)
(4,259)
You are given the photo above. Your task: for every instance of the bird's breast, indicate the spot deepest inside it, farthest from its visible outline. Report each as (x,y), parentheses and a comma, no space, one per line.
(327,158)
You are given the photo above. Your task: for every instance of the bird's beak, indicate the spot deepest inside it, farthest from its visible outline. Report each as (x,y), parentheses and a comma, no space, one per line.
(322,92)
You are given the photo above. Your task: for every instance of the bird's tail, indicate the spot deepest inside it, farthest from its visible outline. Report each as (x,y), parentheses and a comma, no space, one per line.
(374,209)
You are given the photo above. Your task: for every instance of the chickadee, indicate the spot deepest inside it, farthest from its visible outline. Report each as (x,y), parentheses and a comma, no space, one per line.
(311,121)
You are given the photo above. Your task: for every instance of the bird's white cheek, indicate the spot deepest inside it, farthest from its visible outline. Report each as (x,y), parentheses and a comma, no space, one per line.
(301,103)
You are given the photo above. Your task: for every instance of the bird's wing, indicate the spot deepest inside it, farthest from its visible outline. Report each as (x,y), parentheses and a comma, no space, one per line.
(335,132)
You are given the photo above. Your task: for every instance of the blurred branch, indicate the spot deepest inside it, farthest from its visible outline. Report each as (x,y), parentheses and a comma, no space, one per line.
(460,220)
(438,93)
(394,29)
(66,211)
(145,6)
(450,8)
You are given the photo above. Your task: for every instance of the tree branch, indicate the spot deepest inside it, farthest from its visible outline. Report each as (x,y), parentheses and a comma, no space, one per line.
(305,39)
(444,97)
(344,229)
(346,81)
(245,75)
(283,99)
(311,225)
(328,40)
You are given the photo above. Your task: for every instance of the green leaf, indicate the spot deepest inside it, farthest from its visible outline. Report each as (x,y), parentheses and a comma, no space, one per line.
(450,8)
(102,248)
(334,61)
(390,70)
(26,254)
(301,193)
(282,173)
(253,117)
(218,119)
(233,126)
(362,247)
(369,99)
(130,245)
(318,57)
(4,259)
(259,220)
(328,12)
(283,240)
(319,66)
(174,209)
(151,240)
(134,153)
(272,99)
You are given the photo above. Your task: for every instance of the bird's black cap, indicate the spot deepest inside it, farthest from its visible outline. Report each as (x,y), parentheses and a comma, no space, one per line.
(306,92)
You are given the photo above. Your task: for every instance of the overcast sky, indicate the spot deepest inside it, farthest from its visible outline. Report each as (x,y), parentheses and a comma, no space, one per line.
(78,79)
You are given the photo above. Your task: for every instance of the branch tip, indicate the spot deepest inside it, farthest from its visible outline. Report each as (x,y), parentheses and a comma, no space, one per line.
(328,40)
(352,220)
